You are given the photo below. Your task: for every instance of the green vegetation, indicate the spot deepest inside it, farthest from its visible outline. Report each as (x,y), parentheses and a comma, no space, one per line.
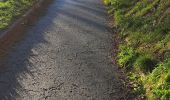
(158,82)
(10,9)
(145,51)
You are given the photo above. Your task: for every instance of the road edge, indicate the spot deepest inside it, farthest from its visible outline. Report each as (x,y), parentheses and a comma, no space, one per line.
(9,36)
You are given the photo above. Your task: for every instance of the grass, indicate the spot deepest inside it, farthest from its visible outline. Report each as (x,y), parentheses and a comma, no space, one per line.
(158,82)
(10,9)
(145,48)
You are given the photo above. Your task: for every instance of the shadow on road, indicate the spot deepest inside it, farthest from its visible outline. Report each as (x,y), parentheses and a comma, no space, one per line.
(15,53)
(16,63)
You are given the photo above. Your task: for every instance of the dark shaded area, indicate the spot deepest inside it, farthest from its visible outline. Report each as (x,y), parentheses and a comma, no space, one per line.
(24,41)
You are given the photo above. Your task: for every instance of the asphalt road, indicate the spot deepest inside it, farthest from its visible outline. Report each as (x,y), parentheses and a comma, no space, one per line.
(66,55)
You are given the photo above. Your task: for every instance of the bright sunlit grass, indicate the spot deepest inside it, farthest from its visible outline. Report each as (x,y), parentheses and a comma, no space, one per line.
(10,9)
(145,26)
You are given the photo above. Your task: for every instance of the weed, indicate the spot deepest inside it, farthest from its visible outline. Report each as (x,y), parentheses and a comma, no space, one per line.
(126,56)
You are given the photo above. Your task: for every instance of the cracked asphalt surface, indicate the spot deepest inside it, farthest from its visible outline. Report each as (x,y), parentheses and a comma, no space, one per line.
(66,55)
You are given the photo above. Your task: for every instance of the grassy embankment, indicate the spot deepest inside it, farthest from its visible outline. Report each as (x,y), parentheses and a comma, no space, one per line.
(10,9)
(145,48)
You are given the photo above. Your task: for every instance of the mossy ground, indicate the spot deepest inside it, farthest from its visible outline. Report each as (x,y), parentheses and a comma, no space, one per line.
(10,9)
(145,51)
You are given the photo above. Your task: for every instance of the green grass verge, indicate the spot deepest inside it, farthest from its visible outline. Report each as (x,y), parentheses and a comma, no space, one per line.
(145,51)
(10,9)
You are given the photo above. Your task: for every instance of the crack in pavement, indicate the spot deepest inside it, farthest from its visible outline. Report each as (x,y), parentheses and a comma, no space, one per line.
(66,55)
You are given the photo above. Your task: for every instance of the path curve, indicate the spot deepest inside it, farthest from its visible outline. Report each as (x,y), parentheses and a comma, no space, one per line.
(64,56)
